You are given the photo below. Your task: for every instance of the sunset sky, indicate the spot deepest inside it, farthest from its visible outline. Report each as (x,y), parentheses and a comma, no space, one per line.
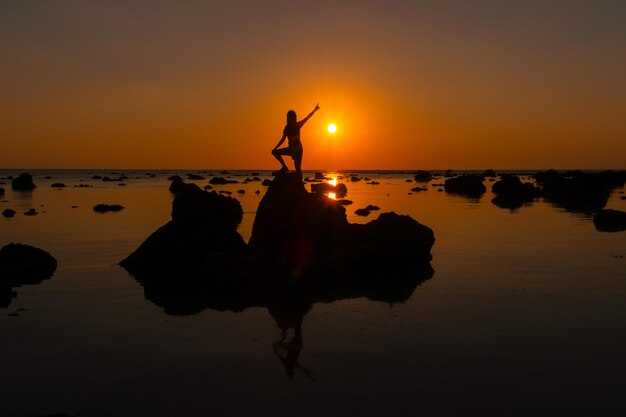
(409,84)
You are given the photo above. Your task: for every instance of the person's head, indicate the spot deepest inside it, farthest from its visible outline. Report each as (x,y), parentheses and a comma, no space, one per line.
(291,117)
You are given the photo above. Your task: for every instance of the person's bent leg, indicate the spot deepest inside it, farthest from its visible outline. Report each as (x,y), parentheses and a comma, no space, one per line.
(278,155)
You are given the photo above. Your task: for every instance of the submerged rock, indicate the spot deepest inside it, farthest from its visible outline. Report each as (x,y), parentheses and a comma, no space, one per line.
(609,220)
(24,182)
(8,213)
(465,185)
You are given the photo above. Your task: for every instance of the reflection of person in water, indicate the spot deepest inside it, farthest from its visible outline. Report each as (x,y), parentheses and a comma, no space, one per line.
(292,132)
(288,351)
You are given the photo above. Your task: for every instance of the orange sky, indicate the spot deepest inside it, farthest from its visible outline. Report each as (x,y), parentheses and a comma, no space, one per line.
(410,85)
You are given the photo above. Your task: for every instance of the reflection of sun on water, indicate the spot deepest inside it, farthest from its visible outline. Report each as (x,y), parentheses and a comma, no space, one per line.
(333,181)
(332,195)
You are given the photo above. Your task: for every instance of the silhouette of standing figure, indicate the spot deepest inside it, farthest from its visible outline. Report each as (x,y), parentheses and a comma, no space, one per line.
(292,132)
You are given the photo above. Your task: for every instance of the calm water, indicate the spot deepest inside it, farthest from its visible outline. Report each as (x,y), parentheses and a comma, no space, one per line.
(526,311)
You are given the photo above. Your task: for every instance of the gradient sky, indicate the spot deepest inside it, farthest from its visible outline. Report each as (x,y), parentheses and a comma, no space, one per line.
(410,84)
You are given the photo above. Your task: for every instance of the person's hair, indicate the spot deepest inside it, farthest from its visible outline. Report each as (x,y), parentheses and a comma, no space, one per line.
(291,117)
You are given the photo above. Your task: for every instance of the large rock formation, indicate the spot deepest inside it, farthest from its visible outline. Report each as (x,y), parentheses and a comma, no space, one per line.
(20,265)
(203,223)
(309,230)
(24,182)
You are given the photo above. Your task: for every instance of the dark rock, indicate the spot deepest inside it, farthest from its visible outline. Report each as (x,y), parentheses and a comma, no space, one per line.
(409,180)
(344,202)
(75,207)
(195,177)
(121,185)
(177,185)
(423,176)
(224,172)
(511,193)
(48,177)
(362,212)
(266,182)
(203,224)
(448,173)
(609,220)
(372,207)
(256,178)
(31,212)
(119,179)
(366,179)
(208,187)
(83,186)
(319,176)
(465,185)
(241,191)
(26,262)
(225,192)
(257,192)
(418,189)
(57,185)
(355,179)
(373,183)
(577,191)
(1,191)
(96,177)
(175,178)
(255,174)
(8,213)
(104,208)
(24,182)
(489,173)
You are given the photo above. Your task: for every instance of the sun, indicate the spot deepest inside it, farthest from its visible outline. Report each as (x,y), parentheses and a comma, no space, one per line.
(332,128)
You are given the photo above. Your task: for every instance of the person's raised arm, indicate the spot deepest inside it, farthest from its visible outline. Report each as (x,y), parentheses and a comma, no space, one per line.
(303,121)
(280,142)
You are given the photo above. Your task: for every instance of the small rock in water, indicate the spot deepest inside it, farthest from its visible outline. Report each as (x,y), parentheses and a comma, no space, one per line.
(24,182)
(362,212)
(344,202)
(31,212)
(208,187)
(266,182)
(194,177)
(104,208)
(371,207)
(1,191)
(241,191)
(57,185)
(8,213)
(609,220)
(257,192)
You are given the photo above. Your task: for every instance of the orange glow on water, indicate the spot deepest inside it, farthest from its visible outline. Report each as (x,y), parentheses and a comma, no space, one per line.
(332,195)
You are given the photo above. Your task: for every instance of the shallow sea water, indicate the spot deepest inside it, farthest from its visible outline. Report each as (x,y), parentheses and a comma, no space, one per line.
(525,314)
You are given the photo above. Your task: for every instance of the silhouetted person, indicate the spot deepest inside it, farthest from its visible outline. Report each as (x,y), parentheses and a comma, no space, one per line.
(292,132)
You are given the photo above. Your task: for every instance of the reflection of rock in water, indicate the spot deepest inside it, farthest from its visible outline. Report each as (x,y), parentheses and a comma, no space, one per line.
(22,265)
(470,186)
(512,194)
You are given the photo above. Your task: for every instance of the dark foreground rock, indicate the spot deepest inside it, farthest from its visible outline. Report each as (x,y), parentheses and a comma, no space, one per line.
(609,220)
(1,191)
(512,193)
(24,182)
(203,224)
(465,185)
(20,265)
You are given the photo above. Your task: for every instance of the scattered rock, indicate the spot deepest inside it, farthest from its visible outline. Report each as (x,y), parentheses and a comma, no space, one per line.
(175,178)
(96,177)
(121,184)
(176,185)
(319,176)
(48,177)
(409,180)
(224,172)
(344,202)
(340,190)
(489,173)
(1,191)
(57,185)
(373,183)
(8,213)
(423,176)
(31,212)
(362,212)
(195,177)
(104,208)
(23,183)
(466,185)
(372,207)
(609,220)
(355,179)
(257,192)
(83,186)
(208,187)
(74,207)
(241,191)
(418,189)
(266,182)
(108,179)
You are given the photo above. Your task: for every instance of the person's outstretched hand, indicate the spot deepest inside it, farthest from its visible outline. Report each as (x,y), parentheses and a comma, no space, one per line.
(317,106)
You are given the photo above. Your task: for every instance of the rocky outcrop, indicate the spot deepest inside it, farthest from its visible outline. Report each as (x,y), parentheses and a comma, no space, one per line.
(20,265)
(105,208)
(466,185)
(23,183)
(306,229)
(203,224)
(340,190)
(512,193)
(578,191)
(489,173)
(609,220)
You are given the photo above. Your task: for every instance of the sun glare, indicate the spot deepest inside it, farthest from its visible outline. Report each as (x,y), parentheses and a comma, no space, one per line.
(332,128)
(333,181)
(332,195)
